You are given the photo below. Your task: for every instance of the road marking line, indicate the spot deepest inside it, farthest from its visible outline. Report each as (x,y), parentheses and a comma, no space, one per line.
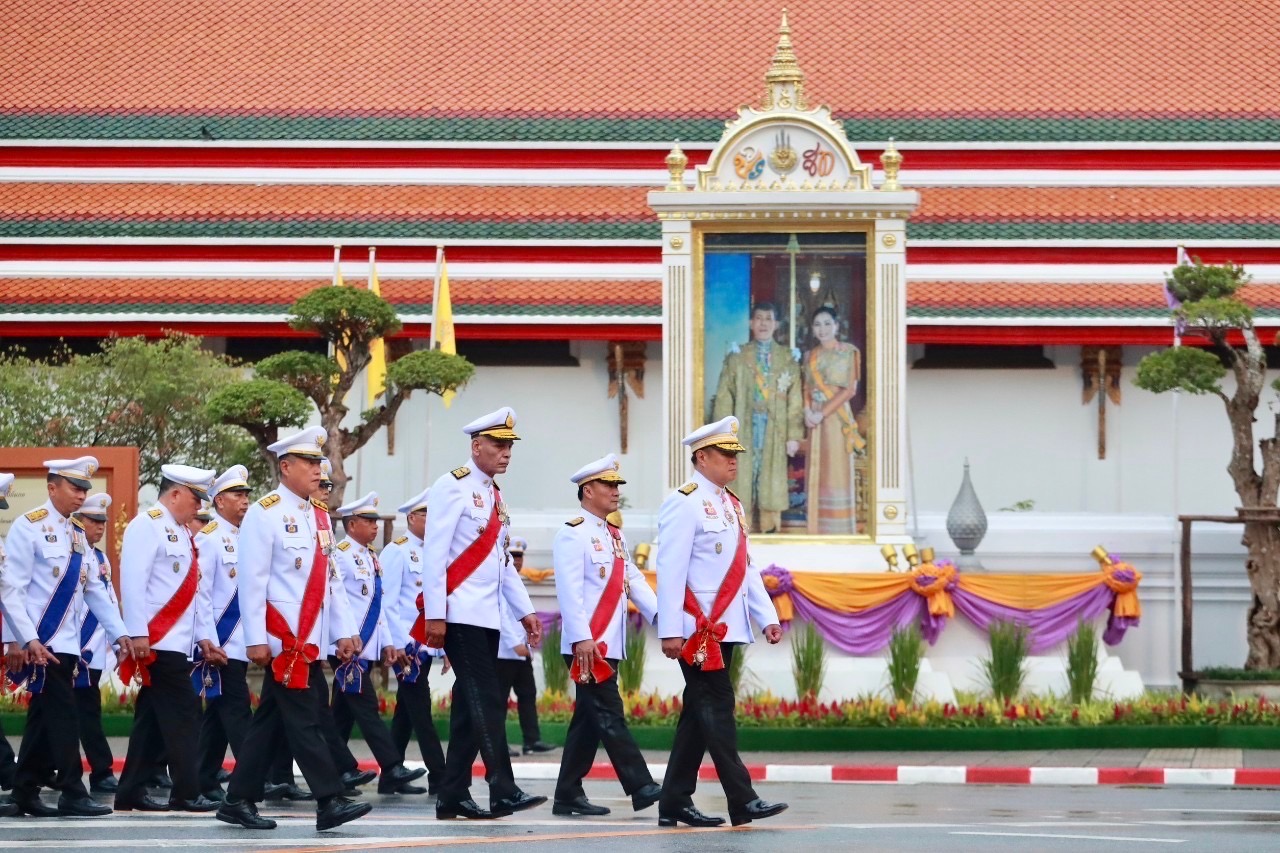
(243,840)
(1075,837)
(1220,811)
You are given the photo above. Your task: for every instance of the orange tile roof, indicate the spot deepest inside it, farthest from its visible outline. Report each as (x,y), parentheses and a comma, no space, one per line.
(629,58)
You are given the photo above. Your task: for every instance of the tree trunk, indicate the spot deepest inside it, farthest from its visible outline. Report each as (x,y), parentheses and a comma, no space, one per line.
(1263,567)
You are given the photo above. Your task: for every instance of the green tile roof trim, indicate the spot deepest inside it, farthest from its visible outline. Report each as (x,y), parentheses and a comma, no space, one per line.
(144,309)
(1227,128)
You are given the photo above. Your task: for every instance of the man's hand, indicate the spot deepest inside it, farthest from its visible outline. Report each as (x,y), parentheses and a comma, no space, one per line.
(141,647)
(671,647)
(793,447)
(533,627)
(39,655)
(585,653)
(213,654)
(445,666)
(435,633)
(390,655)
(345,649)
(812,418)
(124,648)
(15,657)
(357,643)
(773,634)
(260,654)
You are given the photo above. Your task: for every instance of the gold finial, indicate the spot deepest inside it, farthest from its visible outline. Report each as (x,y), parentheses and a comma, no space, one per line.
(913,556)
(676,161)
(1102,556)
(890,556)
(784,81)
(892,162)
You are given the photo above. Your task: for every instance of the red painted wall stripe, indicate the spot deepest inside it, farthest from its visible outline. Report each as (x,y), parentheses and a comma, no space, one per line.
(864,774)
(1131,776)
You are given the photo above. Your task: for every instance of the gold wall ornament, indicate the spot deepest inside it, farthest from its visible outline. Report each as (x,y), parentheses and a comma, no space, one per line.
(676,161)
(677,243)
(891,160)
(891,512)
(889,241)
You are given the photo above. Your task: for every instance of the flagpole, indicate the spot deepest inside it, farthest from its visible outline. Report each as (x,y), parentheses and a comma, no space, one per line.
(1176,540)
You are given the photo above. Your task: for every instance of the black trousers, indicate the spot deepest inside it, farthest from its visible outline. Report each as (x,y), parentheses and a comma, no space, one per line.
(598,717)
(291,715)
(412,718)
(518,674)
(8,762)
(362,708)
(706,725)
(225,723)
(50,739)
(165,721)
(477,719)
(281,772)
(94,741)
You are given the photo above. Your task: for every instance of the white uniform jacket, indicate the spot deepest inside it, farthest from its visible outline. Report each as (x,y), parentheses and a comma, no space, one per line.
(99,565)
(359,569)
(582,556)
(511,634)
(277,545)
(402,583)
(154,560)
(461,502)
(218,545)
(38,553)
(697,538)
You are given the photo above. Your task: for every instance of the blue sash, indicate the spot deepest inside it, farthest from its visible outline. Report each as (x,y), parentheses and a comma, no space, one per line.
(229,619)
(205,677)
(86,634)
(419,657)
(350,675)
(64,593)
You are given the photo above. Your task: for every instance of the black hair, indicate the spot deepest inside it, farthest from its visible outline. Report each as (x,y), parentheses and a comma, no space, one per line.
(765,306)
(580,492)
(828,310)
(166,484)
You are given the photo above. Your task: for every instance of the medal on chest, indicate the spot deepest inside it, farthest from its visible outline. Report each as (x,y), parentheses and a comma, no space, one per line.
(477,500)
(364,589)
(719,547)
(232,572)
(709,509)
(503,518)
(290,524)
(171,534)
(602,572)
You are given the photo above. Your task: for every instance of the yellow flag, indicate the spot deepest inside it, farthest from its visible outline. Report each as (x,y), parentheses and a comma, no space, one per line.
(442,320)
(377,373)
(338,282)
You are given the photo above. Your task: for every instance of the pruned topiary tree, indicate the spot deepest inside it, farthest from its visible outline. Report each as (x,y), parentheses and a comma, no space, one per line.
(1211,309)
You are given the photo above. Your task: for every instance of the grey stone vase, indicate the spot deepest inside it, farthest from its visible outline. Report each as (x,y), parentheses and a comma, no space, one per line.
(967,523)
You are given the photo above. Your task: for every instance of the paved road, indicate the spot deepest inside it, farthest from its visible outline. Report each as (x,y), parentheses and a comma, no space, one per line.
(830,816)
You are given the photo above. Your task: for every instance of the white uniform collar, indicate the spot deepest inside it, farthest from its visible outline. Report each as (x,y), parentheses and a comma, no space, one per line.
(416,540)
(363,549)
(168,516)
(286,495)
(53,513)
(592,518)
(707,484)
(218,517)
(477,474)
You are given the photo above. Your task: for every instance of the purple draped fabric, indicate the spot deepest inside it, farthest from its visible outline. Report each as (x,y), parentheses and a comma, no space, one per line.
(1049,626)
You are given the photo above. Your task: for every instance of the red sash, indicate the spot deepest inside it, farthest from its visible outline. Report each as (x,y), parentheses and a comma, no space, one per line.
(133,669)
(606,609)
(419,629)
(703,646)
(293,665)
(463,567)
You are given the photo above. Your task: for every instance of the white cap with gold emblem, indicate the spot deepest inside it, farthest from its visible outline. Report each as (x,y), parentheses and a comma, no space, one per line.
(605,469)
(234,479)
(415,503)
(197,480)
(95,506)
(518,545)
(307,443)
(500,425)
(6,482)
(326,470)
(722,434)
(75,471)
(366,507)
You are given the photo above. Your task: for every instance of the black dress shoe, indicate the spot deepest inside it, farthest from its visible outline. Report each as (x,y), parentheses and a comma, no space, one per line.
(77,806)
(646,796)
(356,778)
(338,811)
(160,780)
(399,775)
(215,794)
(539,746)
(141,803)
(201,803)
(757,809)
(106,785)
(689,815)
(243,813)
(404,788)
(8,808)
(517,802)
(467,808)
(285,791)
(34,806)
(578,805)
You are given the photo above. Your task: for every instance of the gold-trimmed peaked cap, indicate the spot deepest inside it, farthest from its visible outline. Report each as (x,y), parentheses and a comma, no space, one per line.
(722,434)
(606,469)
(234,479)
(326,470)
(197,480)
(365,507)
(94,507)
(500,425)
(415,503)
(77,472)
(308,443)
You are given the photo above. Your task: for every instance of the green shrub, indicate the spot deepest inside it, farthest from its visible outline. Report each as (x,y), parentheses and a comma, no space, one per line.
(906,649)
(808,661)
(1006,668)
(631,669)
(1082,662)
(1232,673)
(555,674)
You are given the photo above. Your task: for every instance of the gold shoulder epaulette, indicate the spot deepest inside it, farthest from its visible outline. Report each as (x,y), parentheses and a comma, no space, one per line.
(269,501)
(155,513)
(688,488)
(574,522)
(400,540)
(75,522)
(344,545)
(459,473)
(37,514)
(324,506)
(732,492)
(210,527)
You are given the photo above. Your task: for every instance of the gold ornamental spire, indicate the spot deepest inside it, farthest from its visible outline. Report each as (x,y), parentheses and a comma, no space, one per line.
(784,81)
